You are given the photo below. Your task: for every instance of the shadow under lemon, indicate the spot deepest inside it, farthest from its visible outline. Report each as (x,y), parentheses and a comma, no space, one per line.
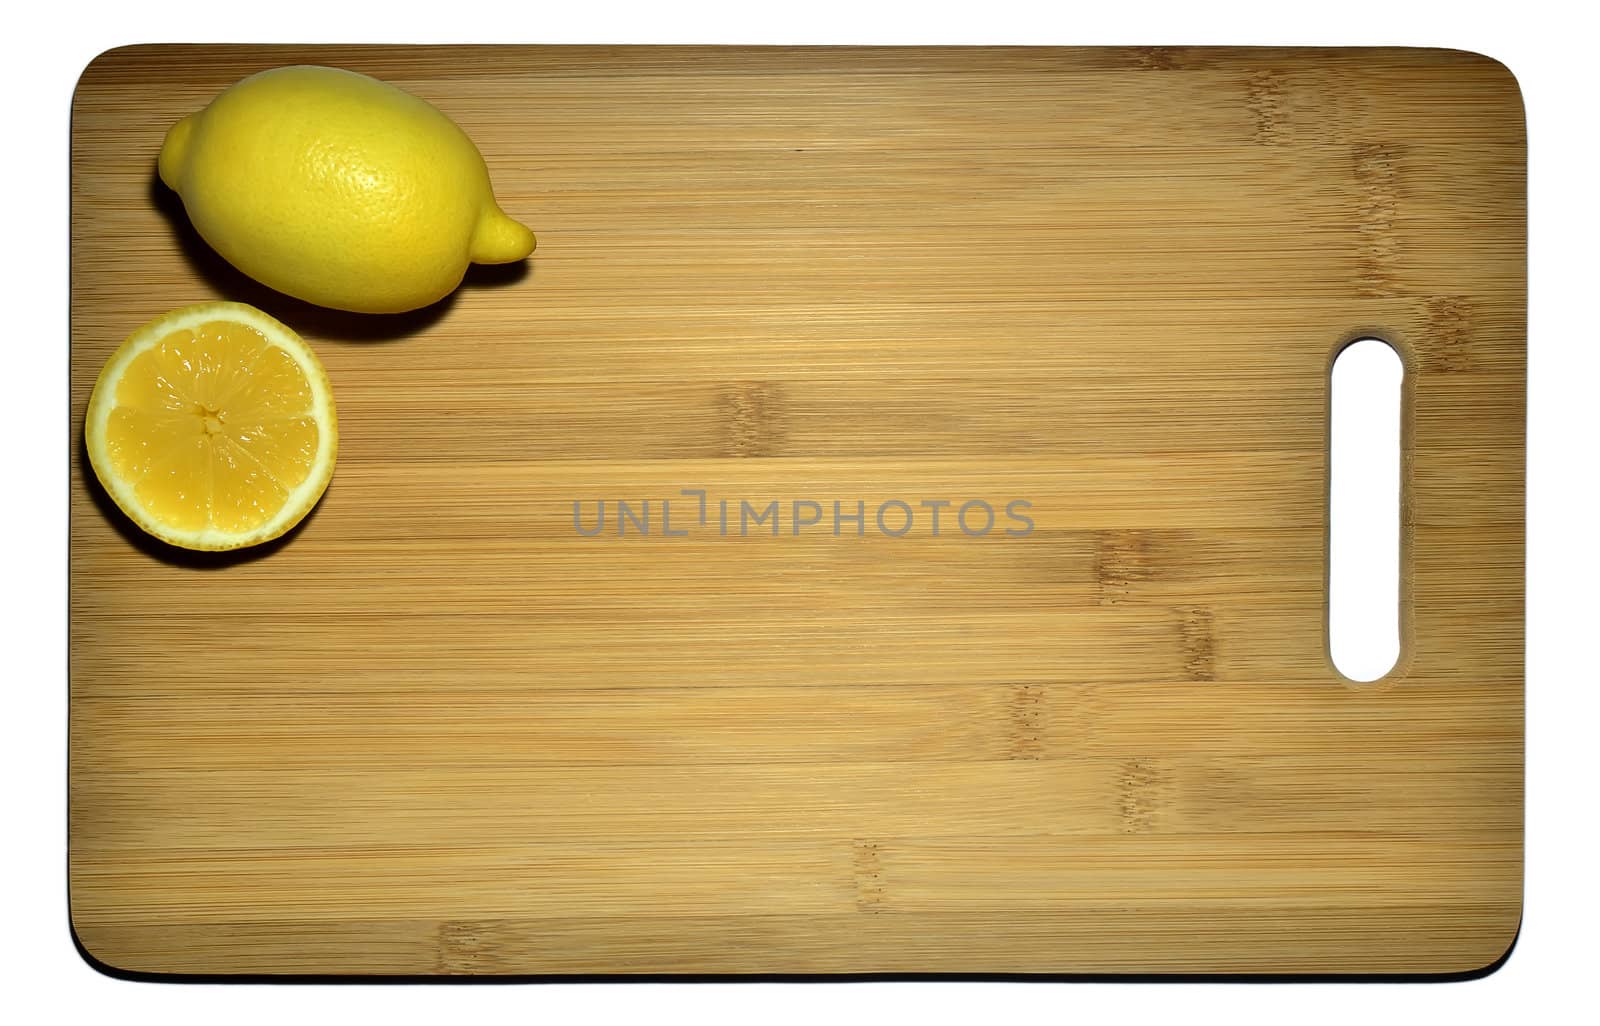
(308,318)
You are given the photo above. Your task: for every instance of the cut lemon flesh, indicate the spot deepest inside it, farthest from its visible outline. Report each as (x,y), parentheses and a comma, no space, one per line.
(213,427)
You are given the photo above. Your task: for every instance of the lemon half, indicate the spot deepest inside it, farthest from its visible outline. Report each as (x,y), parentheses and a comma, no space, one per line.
(213,427)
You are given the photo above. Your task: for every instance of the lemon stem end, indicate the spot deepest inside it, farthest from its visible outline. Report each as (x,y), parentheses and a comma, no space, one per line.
(174,150)
(499,240)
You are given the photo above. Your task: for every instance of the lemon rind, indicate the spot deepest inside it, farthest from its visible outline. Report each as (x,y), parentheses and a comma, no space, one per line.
(102,400)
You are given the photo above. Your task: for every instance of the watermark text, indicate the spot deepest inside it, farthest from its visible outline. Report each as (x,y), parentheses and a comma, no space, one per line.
(695,511)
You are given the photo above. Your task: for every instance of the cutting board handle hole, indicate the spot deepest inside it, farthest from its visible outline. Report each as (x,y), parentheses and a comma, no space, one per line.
(1363,576)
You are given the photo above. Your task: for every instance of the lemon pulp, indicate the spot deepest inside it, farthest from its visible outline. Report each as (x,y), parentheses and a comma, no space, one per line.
(213,427)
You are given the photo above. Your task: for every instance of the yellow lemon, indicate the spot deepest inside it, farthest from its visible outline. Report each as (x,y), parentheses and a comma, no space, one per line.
(213,427)
(338,189)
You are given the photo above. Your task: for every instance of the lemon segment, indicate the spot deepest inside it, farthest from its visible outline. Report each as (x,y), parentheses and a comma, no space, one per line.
(213,427)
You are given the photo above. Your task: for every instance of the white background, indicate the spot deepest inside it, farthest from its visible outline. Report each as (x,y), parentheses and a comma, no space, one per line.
(1551,55)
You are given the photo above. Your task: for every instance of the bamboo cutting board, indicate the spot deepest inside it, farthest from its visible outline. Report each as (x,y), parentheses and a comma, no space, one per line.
(440,730)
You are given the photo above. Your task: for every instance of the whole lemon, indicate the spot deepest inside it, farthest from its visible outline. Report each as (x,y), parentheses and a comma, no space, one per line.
(338,189)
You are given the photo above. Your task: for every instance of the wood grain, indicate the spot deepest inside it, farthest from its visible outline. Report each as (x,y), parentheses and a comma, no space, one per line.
(437,730)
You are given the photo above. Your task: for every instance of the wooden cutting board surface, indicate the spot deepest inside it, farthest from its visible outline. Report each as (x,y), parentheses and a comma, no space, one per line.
(439,730)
